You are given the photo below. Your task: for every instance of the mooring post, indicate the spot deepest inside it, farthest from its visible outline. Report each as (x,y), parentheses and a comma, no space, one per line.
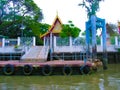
(87,41)
(92,6)
(104,45)
(93,27)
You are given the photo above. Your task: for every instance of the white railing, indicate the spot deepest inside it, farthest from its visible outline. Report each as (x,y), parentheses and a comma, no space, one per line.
(68,49)
(11,42)
(58,49)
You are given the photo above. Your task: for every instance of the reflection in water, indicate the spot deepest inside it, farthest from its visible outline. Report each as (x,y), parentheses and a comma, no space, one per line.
(101,84)
(102,80)
(3,86)
(114,82)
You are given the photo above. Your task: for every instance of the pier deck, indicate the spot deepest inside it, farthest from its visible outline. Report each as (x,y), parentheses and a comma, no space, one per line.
(53,63)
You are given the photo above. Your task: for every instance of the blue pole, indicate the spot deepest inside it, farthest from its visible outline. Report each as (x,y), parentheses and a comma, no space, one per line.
(87,39)
(93,28)
(104,45)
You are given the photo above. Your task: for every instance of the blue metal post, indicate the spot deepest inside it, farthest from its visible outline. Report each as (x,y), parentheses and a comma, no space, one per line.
(104,45)
(93,27)
(87,39)
(92,24)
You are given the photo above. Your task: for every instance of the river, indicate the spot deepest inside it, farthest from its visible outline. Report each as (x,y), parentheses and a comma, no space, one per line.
(101,80)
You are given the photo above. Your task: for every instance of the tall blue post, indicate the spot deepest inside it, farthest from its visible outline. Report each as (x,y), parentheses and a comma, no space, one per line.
(104,45)
(87,40)
(93,27)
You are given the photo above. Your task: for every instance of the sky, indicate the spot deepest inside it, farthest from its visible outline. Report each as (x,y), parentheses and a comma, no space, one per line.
(69,10)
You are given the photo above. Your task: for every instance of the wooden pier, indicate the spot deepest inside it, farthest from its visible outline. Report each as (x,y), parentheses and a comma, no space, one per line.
(46,68)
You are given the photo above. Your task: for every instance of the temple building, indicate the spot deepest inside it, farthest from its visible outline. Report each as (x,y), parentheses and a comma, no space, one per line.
(67,48)
(63,46)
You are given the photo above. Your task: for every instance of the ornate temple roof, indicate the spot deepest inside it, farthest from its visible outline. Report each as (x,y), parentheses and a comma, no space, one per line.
(55,28)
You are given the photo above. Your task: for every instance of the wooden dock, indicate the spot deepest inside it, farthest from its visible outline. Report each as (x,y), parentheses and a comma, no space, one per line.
(46,68)
(53,63)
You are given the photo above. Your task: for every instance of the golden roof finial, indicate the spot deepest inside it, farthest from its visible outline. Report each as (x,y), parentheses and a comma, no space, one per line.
(57,13)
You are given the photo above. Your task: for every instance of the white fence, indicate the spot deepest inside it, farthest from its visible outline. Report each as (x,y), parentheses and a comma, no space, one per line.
(19,41)
(71,49)
(81,48)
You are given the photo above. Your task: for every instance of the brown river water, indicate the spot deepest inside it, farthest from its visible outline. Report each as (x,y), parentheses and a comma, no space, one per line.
(101,80)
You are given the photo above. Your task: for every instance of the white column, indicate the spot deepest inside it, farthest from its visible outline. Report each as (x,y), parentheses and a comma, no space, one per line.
(18,41)
(44,40)
(70,41)
(55,41)
(3,42)
(116,40)
(101,41)
(34,41)
(51,40)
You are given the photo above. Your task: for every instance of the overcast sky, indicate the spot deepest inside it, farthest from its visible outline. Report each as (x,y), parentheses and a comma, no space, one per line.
(69,10)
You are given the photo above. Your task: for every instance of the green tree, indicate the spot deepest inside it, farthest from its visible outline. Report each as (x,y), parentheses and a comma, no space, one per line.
(111,29)
(15,14)
(69,30)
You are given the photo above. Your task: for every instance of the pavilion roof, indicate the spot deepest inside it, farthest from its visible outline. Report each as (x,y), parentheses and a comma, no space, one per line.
(55,28)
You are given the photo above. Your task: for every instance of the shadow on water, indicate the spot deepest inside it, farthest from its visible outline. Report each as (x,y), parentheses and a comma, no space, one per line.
(101,80)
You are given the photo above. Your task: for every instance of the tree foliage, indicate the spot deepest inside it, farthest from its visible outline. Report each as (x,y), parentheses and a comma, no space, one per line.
(111,29)
(69,30)
(10,9)
(15,14)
